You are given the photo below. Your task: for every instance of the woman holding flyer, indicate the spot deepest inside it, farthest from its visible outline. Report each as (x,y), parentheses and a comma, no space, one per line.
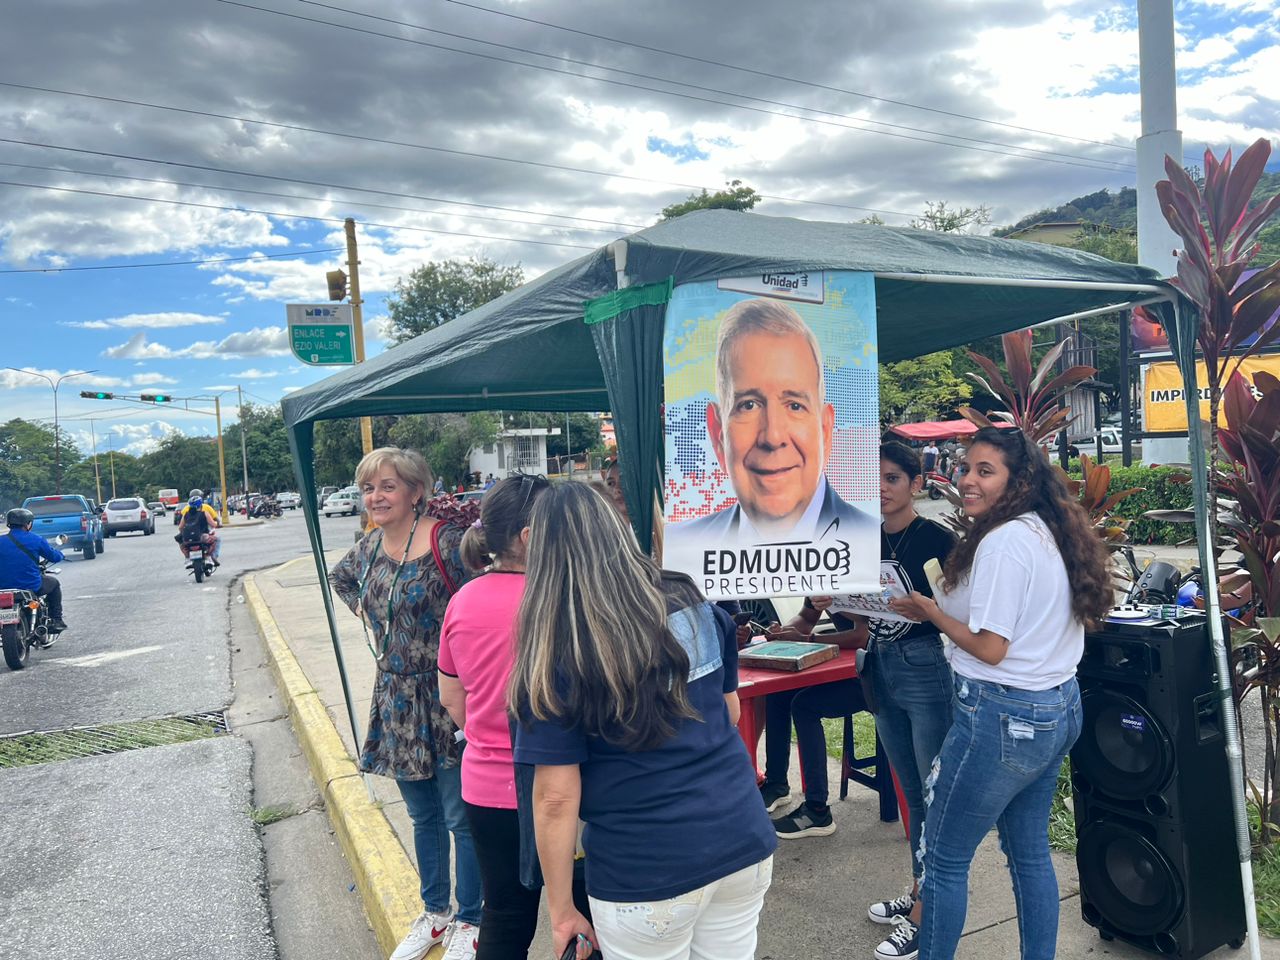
(910,679)
(1017,594)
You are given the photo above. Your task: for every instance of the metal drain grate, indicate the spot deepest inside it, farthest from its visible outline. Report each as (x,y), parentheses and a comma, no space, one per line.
(24,749)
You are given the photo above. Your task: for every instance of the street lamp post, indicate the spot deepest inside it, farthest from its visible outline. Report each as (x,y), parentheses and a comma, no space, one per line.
(57,438)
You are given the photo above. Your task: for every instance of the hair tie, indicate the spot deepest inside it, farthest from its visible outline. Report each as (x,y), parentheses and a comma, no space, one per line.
(477,525)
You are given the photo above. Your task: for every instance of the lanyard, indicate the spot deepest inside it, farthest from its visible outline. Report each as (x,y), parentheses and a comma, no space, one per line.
(391,593)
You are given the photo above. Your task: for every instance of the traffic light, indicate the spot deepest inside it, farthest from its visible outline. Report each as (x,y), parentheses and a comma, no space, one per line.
(156,397)
(96,395)
(337,284)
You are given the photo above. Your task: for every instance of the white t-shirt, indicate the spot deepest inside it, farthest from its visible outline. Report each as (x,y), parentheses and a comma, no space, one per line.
(1018,588)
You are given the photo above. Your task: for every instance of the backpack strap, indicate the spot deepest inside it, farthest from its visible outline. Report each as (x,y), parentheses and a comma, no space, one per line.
(435,552)
(17,543)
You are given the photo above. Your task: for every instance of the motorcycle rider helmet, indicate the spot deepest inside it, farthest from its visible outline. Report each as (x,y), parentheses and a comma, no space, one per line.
(195,503)
(19,517)
(195,494)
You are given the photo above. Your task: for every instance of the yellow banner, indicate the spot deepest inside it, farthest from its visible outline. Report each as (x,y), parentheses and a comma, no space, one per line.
(1163,402)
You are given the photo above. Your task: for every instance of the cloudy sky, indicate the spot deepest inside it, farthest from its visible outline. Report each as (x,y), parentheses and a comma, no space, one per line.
(144,132)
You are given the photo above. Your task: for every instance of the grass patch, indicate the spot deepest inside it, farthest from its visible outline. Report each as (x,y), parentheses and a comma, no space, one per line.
(1062,818)
(273,813)
(32,748)
(864,736)
(1266,882)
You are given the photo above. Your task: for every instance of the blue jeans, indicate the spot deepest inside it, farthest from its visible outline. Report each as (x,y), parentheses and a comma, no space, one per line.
(998,767)
(913,696)
(436,809)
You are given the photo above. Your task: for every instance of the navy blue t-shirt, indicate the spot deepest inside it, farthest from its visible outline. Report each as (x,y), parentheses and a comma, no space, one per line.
(666,821)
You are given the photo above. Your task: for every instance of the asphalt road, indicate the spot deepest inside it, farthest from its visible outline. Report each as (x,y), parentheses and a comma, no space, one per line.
(151,853)
(144,639)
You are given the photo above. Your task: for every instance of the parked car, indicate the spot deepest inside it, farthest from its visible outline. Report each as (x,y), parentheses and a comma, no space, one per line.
(289,500)
(69,516)
(128,513)
(157,508)
(323,494)
(344,502)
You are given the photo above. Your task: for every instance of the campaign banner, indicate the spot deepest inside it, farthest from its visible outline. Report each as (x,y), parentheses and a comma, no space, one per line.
(1164,404)
(772,429)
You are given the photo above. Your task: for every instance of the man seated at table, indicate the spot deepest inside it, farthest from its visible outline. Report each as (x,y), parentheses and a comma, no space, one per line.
(807,707)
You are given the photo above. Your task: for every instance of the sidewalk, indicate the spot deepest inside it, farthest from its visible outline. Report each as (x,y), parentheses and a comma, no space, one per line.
(816,907)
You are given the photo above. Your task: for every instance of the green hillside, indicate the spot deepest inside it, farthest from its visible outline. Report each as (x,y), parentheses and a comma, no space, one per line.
(1119,211)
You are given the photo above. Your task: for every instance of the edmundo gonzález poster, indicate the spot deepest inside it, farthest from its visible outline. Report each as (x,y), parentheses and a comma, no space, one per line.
(772,435)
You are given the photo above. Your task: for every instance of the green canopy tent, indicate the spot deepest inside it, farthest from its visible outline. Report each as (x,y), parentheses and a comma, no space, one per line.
(588,336)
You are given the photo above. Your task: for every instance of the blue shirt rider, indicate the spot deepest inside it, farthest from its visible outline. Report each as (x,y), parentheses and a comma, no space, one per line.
(20,568)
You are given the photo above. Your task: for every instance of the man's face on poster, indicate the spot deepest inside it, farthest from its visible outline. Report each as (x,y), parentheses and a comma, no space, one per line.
(772,430)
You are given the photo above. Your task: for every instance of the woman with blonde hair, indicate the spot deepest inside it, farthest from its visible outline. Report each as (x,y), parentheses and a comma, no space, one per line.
(398,580)
(624,699)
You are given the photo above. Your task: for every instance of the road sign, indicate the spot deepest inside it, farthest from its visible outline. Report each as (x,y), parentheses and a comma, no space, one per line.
(321,334)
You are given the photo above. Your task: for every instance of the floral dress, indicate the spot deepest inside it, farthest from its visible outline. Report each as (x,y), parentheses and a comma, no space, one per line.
(409,731)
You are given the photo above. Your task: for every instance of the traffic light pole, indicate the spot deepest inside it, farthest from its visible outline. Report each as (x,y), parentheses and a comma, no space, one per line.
(357,322)
(222,457)
(154,398)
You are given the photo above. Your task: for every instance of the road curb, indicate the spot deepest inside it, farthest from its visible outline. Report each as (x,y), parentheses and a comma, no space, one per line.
(384,875)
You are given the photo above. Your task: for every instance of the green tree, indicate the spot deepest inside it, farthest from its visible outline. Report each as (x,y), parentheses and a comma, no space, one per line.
(446,439)
(179,461)
(736,196)
(922,388)
(336,448)
(28,461)
(437,292)
(939,218)
(266,448)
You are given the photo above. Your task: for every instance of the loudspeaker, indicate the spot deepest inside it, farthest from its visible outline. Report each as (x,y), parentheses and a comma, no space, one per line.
(1155,842)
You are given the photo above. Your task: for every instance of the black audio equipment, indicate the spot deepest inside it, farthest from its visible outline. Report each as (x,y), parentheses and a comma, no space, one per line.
(1155,840)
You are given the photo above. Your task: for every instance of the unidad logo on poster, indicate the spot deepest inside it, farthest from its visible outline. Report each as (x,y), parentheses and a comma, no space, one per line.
(772,435)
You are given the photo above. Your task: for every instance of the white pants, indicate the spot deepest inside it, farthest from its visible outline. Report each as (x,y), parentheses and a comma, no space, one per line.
(715,922)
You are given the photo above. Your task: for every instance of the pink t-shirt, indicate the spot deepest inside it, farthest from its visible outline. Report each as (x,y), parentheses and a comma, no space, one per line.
(478,646)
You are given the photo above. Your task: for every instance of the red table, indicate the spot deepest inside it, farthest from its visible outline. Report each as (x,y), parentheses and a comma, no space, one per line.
(755,683)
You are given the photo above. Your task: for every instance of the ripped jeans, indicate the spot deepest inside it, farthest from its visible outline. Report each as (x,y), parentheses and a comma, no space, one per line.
(715,922)
(998,767)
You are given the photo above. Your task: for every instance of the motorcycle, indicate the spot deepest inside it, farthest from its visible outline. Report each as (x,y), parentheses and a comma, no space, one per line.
(199,554)
(24,620)
(935,483)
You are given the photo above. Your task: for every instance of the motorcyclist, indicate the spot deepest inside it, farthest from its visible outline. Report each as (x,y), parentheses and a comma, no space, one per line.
(20,566)
(197,512)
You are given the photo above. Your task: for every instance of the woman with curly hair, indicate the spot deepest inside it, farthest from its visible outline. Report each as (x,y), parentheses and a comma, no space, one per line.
(1018,593)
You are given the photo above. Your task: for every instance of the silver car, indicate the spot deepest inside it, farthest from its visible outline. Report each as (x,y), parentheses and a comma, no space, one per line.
(128,513)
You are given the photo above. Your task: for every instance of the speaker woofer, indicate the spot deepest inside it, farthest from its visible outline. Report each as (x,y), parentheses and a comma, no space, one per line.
(1123,749)
(1131,884)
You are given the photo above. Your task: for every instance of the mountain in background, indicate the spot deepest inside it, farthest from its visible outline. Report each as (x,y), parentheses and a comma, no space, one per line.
(1119,211)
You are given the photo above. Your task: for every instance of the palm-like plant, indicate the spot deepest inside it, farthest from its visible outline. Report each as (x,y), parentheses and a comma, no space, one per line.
(1030,396)
(1236,316)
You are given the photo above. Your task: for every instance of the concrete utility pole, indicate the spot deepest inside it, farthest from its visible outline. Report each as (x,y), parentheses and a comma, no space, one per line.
(1160,133)
(97,474)
(1160,136)
(357,321)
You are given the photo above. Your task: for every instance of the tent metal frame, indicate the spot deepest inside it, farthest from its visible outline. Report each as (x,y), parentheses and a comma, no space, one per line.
(1141,294)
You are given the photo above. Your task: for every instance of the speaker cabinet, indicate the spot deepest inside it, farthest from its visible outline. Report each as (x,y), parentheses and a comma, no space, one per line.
(1155,841)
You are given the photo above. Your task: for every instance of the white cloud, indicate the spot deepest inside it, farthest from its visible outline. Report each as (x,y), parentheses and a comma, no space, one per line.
(258,342)
(15,380)
(219,388)
(150,321)
(253,373)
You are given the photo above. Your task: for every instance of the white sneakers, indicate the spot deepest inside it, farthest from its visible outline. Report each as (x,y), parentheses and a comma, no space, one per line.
(459,937)
(463,938)
(427,930)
